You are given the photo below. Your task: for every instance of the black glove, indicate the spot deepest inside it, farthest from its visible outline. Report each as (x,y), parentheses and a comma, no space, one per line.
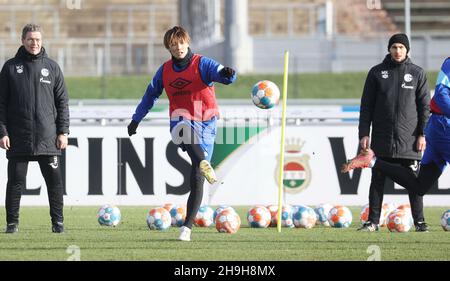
(227,72)
(132,127)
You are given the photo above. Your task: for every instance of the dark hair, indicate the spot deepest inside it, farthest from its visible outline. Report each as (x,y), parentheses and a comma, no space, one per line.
(31,27)
(176,34)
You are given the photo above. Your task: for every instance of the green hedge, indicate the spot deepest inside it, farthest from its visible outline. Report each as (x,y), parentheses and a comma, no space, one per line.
(307,86)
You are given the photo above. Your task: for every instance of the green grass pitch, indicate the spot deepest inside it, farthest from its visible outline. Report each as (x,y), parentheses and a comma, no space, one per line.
(132,240)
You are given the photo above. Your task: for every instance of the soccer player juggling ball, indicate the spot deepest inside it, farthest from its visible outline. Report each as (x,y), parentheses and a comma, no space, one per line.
(188,80)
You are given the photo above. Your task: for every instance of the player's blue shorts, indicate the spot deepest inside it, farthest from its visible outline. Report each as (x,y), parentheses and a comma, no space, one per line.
(204,133)
(437,134)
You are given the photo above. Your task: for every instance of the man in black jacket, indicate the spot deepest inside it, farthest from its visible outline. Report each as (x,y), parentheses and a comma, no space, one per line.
(395,102)
(34,124)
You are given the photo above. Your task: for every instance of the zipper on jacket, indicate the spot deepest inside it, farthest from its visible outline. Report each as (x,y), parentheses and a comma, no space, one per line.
(33,92)
(30,77)
(397,97)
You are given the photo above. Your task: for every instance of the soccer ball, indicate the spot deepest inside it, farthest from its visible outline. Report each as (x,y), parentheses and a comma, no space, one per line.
(364,214)
(108,215)
(204,217)
(220,209)
(305,217)
(286,215)
(405,207)
(178,215)
(168,206)
(273,209)
(159,219)
(445,220)
(340,217)
(265,94)
(258,216)
(386,209)
(228,221)
(399,221)
(322,211)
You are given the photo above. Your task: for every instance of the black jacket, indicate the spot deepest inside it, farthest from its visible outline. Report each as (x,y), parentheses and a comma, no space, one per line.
(395,102)
(33,104)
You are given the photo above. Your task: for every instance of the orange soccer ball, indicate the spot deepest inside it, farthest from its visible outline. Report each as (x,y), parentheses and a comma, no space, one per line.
(228,221)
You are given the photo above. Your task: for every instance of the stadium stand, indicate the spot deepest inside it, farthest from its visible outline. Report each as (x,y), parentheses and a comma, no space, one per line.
(144,18)
(302,17)
(428,17)
(126,35)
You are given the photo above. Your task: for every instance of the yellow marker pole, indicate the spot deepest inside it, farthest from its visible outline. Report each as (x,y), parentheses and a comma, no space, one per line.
(283,126)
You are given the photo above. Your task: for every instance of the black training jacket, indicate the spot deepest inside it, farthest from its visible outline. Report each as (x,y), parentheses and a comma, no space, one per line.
(395,103)
(33,104)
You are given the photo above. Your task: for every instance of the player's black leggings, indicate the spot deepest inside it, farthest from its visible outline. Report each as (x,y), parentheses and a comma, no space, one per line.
(197,180)
(376,193)
(428,175)
(17,173)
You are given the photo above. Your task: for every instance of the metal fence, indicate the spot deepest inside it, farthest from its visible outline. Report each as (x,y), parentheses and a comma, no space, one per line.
(127,53)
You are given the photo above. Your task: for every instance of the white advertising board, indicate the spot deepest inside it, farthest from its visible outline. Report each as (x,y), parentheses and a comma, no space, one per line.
(103,165)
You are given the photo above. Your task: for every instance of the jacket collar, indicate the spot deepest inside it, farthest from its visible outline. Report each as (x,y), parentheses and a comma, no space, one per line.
(22,53)
(388,60)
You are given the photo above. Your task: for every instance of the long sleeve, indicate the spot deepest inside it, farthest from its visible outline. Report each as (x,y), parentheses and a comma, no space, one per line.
(368,100)
(209,71)
(423,103)
(442,91)
(443,99)
(61,104)
(4,96)
(153,92)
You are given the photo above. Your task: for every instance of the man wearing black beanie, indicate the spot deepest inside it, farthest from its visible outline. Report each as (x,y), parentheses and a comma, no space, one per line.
(395,105)
(399,38)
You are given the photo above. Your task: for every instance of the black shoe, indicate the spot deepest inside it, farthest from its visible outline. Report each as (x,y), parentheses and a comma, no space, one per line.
(12,228)
(422,227)
(369,227)
(58,227)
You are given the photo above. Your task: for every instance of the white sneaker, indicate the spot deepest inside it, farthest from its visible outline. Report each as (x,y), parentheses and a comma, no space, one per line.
(185,234)
(207,171)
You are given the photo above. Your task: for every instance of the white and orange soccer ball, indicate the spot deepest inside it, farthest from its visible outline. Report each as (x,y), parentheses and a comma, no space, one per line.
(168,206)
(286,215)
(445,220)
(159,219)
(386,209)
(364,214)
(259,216)
(399,221)
(405,207)
(304,217)
(322,212)
(204,217)
(178,215)
(220,209)
(265,94)
(273,209)
(228,221)
(340,217)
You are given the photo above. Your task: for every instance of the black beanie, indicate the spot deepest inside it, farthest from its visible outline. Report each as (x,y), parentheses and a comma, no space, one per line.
(399,38)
